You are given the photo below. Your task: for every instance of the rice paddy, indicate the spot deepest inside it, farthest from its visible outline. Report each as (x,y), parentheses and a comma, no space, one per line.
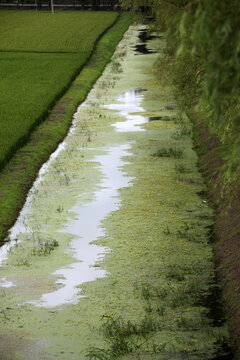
(40,55)
(64,32)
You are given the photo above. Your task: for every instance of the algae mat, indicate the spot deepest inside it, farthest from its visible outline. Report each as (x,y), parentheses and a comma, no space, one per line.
(110,257)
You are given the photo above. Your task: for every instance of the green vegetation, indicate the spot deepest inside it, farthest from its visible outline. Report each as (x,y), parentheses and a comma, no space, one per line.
(40,55)
(44,139)
(169,152)
(66,31)
(33,83)
(201,63)
(153,303)
(161,270)
(157,300)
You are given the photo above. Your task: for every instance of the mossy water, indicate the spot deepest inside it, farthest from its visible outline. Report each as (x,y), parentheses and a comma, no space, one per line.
(156,265)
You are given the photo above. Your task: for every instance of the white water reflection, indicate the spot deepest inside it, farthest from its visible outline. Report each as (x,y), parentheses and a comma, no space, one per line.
(87,228)
(129,102)
(5,283)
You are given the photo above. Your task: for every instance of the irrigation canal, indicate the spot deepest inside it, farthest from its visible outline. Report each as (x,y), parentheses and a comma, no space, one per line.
(113,230)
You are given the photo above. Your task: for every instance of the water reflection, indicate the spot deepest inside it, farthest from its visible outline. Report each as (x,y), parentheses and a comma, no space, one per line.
(129,103)
(141,49)
(5,283)
(87,228)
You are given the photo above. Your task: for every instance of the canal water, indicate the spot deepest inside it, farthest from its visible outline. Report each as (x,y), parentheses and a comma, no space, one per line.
(113,235)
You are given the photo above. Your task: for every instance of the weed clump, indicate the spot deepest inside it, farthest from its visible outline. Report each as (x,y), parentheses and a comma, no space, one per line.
(44,247)
(182,132)
(169,152)
(121,338)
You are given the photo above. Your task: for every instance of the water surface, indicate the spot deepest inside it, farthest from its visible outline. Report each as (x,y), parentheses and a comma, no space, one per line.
(87,228)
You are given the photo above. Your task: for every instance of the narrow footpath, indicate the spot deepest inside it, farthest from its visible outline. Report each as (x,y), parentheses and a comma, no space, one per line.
(111,257)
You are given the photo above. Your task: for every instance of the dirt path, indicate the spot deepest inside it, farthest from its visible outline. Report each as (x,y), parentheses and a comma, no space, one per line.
(111,257)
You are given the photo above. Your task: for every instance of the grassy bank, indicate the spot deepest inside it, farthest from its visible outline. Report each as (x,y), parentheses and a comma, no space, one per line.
(225,202)
(40,56)
(18,175)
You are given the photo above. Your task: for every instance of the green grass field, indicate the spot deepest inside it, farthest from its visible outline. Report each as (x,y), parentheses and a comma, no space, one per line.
(65,31)
(40,54)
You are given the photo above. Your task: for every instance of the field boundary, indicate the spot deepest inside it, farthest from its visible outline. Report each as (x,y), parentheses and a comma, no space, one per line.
(46,7)
(19,174)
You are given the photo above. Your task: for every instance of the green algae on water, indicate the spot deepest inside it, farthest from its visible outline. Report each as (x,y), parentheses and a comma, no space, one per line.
(159,265)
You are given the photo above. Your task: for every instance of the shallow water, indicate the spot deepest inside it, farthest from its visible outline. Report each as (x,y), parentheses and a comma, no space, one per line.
(74,203)
(5,283)
(129,102)
(20,224)
(87,228)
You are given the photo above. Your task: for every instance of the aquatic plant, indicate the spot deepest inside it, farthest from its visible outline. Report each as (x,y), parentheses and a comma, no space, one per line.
(44,247)
(120,338)
(169,152)
(181,168)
